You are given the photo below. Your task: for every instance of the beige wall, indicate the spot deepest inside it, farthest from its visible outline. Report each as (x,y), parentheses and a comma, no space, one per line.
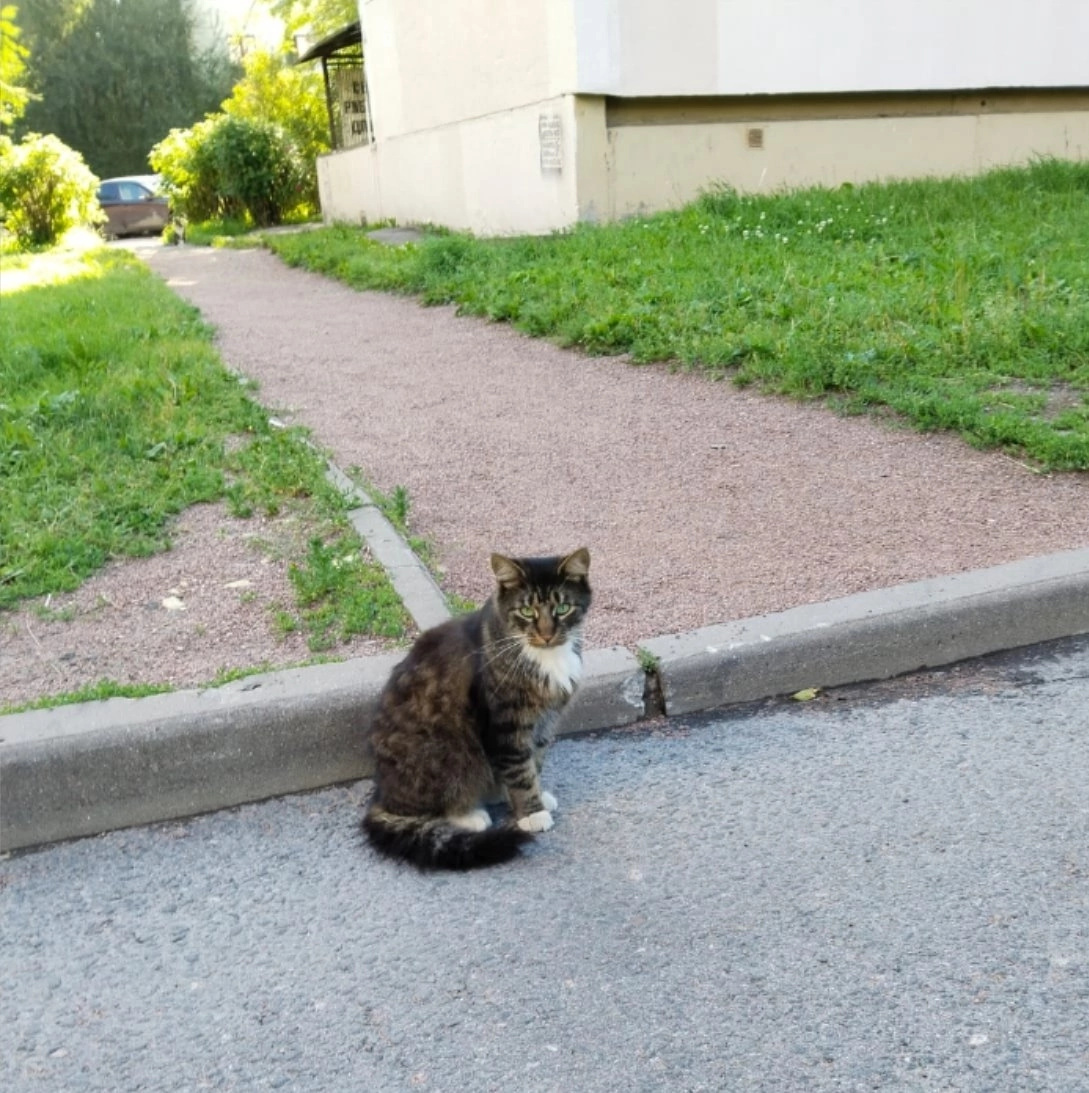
(662,166)
(347,185)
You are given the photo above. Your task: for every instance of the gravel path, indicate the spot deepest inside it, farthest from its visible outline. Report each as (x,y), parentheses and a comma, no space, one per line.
(700,502)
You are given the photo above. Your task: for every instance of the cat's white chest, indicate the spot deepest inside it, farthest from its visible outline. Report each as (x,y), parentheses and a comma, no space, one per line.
(560,664)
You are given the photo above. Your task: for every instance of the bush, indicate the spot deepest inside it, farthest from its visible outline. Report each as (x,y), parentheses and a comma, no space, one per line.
(227,167)
(290,96)
(190,173)
(258,167)
(45,189)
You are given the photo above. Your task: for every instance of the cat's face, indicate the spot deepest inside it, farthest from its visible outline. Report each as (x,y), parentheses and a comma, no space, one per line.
(543,600)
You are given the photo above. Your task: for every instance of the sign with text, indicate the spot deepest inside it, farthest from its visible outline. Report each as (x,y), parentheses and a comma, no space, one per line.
(550,132)
(351,96)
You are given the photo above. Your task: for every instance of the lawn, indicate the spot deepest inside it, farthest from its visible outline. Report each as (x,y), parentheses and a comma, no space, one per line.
(116,413)
(958,305)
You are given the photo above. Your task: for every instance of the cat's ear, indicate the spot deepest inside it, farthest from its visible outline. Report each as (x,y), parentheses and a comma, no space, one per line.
(507,571)
(576,565)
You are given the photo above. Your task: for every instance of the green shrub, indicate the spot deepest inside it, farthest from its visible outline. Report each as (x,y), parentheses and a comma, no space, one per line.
(290,96)
(45,189)
(227,168)
(190,173)
(258,167)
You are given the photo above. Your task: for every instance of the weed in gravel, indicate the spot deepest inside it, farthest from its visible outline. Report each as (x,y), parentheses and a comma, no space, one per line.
(459,605)
(395,507)
(957,304)
(340,594)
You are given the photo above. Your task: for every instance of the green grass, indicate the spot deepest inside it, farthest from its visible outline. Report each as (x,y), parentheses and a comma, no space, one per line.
(210,233)
(116,413)
(93,692)
(958,305)
(232,232)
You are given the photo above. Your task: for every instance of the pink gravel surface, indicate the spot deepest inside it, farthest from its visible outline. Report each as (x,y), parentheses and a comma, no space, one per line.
(700,502)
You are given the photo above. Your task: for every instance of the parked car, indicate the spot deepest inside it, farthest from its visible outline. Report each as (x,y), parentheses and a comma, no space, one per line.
(133,205)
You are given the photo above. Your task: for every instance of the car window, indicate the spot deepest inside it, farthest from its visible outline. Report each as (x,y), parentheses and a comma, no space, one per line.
(132,191)
(108,192)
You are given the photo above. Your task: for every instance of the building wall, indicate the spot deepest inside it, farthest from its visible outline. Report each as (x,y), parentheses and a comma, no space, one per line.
(485,174)
(651,167)
(744,47)
(432,63)
(348,185)
(649,102)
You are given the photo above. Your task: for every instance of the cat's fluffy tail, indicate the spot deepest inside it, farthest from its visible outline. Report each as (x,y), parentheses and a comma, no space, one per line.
(436,843)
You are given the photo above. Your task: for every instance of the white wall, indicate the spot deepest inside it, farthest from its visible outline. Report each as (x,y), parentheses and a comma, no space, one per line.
(741,47)
(483,174)
(435,62)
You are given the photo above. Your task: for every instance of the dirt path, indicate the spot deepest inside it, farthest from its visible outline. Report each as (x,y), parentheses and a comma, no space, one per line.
(700,503)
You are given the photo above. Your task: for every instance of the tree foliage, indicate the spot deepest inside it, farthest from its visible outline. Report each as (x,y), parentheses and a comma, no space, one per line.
(45,189)
(319,17)
(13,54)
(115,76)
(292,97)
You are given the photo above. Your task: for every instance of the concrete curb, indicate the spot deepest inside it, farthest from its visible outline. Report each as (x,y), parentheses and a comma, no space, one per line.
(422,597)
(875,635)
(73,771)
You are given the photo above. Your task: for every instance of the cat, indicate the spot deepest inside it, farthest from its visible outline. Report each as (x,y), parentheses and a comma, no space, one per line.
(467,717)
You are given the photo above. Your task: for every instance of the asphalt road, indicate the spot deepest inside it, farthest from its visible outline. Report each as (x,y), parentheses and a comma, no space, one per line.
(883,889)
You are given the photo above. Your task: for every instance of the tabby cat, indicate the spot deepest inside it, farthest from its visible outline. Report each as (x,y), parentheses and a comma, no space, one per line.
(467,716)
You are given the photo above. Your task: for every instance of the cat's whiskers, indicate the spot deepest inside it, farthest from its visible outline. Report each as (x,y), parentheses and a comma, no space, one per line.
(508,649)
(516,666)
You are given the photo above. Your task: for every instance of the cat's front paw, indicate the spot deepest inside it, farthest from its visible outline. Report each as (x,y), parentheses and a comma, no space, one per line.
(536,821)
(549,801)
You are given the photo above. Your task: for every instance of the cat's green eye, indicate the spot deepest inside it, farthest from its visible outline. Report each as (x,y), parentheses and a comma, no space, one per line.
(527,612)
(561,609)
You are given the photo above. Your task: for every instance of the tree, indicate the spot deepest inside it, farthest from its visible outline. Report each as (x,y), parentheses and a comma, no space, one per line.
(13,54)
(319,17)
(115,76)
(274,90)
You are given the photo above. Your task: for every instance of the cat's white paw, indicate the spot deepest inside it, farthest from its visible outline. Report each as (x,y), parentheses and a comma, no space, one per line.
(477,820)
(536,821)
(549,801)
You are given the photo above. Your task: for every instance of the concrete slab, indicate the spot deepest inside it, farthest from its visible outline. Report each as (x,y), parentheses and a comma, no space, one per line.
(412,580)
(875,635)
(422,597)
(73,771)
(395,237)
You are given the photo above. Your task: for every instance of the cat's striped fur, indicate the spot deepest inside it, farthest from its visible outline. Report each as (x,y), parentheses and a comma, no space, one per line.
(467,716)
